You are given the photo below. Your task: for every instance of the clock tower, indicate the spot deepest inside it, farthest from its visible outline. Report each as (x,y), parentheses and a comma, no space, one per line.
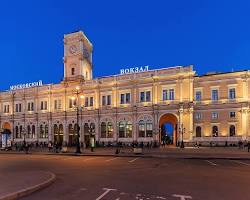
(77,57)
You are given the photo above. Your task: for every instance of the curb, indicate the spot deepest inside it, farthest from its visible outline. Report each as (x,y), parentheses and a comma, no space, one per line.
(142,156)
(30,190)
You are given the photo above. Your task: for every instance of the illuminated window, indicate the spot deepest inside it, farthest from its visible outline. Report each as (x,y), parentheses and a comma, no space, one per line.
(198,116)
(198,95)
(215,131)
(232,94)
(215,115)
(232,130)
(215,95)
(145,129)
(106,130)
(125,129)
(198,131)
(168,94)
(232,115)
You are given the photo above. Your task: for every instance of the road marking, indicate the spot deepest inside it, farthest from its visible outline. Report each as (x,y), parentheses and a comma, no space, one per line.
(89,159)
(182,197)
(110,159)
(67,158)
(133,160)
(240,162)
(105,193)
(211,163)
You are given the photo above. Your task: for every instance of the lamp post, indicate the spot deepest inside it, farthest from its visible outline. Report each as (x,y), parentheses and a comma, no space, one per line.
(78,148)
(182,131)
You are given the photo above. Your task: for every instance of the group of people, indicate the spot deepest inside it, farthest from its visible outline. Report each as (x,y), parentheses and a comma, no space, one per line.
(244,144)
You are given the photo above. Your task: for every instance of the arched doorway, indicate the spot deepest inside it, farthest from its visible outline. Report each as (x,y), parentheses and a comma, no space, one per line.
(6,135)
(58,134)
(168,129)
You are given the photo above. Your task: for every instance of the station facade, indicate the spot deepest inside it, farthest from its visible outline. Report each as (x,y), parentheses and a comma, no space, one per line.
(130,107)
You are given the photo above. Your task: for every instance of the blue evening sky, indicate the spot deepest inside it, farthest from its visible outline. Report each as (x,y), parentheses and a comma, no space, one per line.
(212,35)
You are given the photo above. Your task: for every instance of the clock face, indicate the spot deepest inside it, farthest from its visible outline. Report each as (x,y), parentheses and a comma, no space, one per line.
(73,49)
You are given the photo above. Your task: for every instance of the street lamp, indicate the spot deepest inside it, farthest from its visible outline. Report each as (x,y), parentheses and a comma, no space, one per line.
(182,131)
(78,148)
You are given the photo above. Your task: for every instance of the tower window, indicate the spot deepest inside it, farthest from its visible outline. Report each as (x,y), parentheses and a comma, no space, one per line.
(73,71)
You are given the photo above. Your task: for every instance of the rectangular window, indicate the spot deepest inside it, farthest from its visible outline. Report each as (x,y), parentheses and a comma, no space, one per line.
(122,100)
(215,96)
(215,115)
(142,96)
(6,108)
(91,101)
(232,114)
(18,107)
(164,95)
(104,100)
(44,105)
(148,96)
(198,96)
(87,102)
(58,104)
(232,94)
(198,115)
(109,100)
(127,98)
(31,106)
(171,94)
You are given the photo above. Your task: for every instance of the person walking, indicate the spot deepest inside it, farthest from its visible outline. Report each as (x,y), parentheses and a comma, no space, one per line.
(248,146)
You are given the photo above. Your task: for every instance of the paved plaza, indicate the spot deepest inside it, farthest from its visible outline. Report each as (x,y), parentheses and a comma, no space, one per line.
(127,177)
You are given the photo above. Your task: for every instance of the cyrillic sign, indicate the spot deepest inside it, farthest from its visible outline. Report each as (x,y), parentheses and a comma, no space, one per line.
(132,70)
(26,85)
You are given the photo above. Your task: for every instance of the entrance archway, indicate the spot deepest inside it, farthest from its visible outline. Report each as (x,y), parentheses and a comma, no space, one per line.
(6,126)
(168,129)
(6,135)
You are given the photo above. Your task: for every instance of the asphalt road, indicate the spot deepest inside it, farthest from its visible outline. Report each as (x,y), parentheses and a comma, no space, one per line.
(116,178)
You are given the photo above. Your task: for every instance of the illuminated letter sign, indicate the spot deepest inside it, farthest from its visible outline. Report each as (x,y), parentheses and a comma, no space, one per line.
(26,85)
(133,70)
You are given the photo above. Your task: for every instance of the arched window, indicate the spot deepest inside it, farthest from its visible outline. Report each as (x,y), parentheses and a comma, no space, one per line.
(129,129)
(41,131)
(21,131)
(60,129)
(103,130)
(56,130)
(198,131)
(109,130)
(106,130)
(215,131)
(71,130)
(17,132)
(145,129)
(86,128)
(92,128)
(232,130)
(142,128)
(46,135)
(33,131)
(75,129)
(149,129)
(28,131)
(122,129)
(125,129)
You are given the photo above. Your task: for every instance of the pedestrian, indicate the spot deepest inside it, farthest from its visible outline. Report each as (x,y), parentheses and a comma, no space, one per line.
(50,146)
(248,146)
